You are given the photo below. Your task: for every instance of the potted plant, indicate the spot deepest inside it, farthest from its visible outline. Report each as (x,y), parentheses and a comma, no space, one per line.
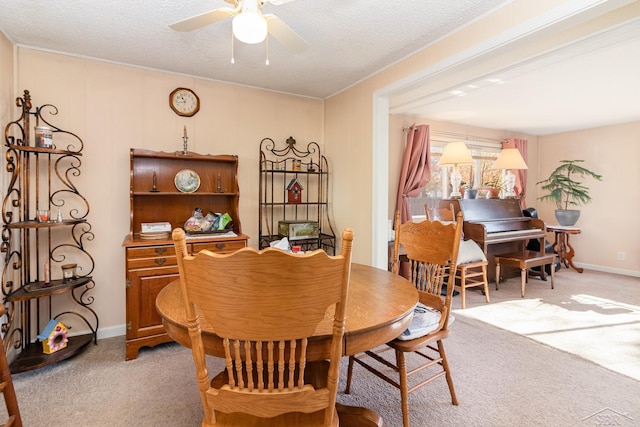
(491,181)
(494,185)
(563,188)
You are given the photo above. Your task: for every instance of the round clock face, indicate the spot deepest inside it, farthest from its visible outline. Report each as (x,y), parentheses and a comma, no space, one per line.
(184,102)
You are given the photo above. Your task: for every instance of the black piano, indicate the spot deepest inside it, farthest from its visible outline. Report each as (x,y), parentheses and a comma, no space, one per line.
(498,226)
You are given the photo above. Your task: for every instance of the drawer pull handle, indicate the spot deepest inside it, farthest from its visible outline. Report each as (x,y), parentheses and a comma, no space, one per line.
(220,245)
(161,250)
(160,261)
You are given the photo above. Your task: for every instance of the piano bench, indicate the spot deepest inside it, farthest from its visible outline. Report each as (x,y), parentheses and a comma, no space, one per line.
(524,261)
(472,274)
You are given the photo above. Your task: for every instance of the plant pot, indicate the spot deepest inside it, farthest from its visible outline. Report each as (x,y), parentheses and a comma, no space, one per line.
(493,193)
(567,217)
(470,194)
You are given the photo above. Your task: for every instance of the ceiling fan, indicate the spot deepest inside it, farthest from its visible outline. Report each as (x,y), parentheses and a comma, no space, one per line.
(249,24)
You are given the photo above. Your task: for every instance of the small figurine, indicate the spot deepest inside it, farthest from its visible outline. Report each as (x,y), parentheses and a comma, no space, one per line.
(154,188)
(185,142)
(46,272)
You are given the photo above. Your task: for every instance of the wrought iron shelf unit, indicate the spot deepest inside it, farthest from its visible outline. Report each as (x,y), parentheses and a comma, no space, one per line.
(33,288)
(280,166)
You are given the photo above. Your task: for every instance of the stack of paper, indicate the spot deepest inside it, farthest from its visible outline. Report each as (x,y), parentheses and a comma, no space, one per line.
(155,230)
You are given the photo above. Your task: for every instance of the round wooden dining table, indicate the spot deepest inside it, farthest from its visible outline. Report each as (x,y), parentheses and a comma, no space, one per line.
(379,308)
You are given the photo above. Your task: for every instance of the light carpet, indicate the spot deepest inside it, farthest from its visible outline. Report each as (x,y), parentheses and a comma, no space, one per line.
(501,378)
(592,314)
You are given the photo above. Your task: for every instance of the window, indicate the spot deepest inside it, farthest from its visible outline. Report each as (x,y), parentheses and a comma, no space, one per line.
(473,176)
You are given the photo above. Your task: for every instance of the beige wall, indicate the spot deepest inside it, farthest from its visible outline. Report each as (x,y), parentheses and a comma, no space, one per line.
(6,83)
(348,127)
(114,107)
(610,223)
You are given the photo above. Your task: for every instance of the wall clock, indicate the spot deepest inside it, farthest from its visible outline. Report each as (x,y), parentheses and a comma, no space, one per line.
(184,102)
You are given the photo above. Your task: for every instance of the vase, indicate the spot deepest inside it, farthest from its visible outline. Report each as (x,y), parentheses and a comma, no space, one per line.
(567,217)
(470,194)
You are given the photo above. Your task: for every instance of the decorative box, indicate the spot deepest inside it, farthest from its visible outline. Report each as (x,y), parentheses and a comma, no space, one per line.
(298,230)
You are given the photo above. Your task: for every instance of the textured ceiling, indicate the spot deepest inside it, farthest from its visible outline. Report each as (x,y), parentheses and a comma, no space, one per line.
(348,39)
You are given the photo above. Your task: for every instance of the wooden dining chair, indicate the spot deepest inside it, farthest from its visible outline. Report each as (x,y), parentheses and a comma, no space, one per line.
(265,305)
(472,262)
(6,386)
(431,248)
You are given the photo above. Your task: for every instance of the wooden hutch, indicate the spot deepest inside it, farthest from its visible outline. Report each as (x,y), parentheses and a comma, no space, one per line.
(156,195)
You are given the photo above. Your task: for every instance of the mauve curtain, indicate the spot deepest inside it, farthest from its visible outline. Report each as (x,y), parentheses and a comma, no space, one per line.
(521,174)
(415,171)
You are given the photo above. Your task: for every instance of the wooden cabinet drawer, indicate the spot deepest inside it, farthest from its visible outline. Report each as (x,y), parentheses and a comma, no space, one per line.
(222,247)
(163,256)
(136,263)
(151,251)
(151,257)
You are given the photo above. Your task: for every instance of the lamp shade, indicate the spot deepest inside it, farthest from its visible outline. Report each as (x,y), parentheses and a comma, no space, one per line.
(510,158)
(249,26)
(455,153)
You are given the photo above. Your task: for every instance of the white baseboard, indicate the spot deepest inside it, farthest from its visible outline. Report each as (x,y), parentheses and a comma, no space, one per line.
(609,269)
(110,332)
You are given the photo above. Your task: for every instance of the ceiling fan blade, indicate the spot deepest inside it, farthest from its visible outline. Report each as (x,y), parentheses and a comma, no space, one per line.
(285,34)
(203,19)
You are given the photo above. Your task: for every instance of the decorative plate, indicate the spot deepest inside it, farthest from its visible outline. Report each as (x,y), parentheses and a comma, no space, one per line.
(187,181)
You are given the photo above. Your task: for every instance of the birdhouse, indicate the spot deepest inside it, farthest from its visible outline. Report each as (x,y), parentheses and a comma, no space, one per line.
(54,336)
(294,191)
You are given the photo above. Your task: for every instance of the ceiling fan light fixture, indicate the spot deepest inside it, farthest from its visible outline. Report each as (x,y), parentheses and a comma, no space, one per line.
(249,26)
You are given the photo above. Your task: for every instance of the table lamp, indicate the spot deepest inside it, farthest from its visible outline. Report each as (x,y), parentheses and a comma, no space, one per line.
(454,154)
(509,158)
